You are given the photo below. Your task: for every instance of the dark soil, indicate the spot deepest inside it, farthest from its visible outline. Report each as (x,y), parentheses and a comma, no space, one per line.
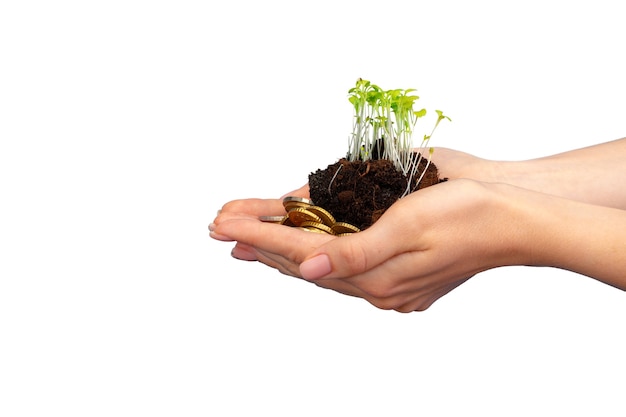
(362,191)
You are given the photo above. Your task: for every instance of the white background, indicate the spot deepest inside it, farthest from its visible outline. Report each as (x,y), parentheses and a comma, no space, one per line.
(124,127)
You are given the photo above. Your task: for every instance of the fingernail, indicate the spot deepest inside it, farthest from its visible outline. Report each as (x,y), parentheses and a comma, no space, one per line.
(222,238)
(242,254)
(316,267)
(211,227)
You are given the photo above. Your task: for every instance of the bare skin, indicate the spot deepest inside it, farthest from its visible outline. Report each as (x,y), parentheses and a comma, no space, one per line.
(539,212)
(592,174)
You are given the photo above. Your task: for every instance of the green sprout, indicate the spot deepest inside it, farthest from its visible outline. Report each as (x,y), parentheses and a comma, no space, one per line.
(384,121)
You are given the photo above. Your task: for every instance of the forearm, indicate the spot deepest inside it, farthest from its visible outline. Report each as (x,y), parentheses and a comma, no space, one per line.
(558,232)
(594,174)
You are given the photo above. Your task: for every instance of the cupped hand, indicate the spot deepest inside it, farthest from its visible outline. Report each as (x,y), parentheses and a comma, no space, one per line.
(425,245)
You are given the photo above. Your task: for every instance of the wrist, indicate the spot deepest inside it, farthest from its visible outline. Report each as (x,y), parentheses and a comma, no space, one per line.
(527,224)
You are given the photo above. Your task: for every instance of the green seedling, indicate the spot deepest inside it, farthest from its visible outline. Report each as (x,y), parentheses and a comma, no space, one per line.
(384,122)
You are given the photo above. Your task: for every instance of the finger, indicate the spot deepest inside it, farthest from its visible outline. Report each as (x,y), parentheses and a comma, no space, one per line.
(283,265)
(354,254)
(413,273)
(289,242)
(274,260)
(244,252)
(262,207)
(424,301)
(403,302)
(224,217)
(254,206)
(410,281)
(386,286)
(341,286)
(406,282)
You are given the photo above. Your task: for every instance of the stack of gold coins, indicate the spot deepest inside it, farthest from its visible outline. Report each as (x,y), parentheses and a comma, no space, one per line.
(303,214)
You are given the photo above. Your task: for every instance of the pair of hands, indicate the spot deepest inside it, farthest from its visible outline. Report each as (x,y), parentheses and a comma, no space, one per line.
(424,246)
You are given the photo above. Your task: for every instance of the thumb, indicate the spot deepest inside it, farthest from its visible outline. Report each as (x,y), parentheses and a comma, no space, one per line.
(351,255)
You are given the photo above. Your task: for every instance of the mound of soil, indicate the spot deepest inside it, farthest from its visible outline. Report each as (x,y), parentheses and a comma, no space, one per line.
(359,192)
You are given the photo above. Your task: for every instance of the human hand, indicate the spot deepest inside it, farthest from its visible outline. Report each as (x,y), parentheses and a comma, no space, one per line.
(424,246)
(253,209)
(453,164)
(435,239)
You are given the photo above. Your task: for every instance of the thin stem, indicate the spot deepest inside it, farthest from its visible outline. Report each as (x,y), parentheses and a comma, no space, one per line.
(333,179)
(430,155)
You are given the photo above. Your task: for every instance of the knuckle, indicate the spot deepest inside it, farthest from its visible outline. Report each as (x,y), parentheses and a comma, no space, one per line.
(379,290)
(404,310)
(420,304)
(383,304)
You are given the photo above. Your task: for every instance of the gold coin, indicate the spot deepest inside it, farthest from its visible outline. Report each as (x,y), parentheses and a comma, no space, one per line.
(319,226)
(287,222)
(343,227)
(291,202)
(300,215)
(272,219)
(289,199)
(323,214)
(311,229)
(295,204)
